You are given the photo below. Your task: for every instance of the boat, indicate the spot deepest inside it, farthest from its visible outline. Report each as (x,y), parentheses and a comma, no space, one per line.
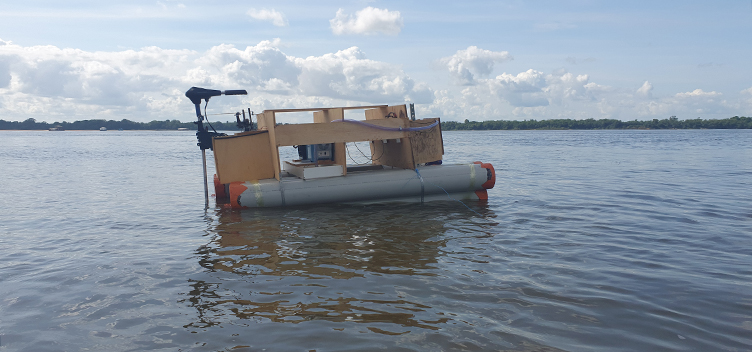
(408,165)
(103,128)
(57,128)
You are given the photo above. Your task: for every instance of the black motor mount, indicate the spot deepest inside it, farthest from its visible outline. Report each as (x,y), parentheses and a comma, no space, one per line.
(196,94)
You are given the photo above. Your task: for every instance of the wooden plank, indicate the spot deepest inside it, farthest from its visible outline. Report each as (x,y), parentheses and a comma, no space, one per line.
(261,122)
(383,112)
(321,109)
(267,121)
(334,114)
(377,113)
(318,117)
(400,111)
(243,157)
(427,145)
(337,132)
(328,115)
(272,121)
(340,156)
(340,151)
(393,154)
(372,114)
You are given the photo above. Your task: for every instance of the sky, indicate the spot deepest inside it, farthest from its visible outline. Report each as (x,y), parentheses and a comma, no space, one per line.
(476,60)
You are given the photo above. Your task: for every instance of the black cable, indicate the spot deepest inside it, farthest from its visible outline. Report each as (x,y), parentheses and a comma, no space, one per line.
(207,117)
(361,152)
(371,157)
(350,156)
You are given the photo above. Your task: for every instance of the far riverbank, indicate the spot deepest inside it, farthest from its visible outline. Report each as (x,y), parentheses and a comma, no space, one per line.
(736,122)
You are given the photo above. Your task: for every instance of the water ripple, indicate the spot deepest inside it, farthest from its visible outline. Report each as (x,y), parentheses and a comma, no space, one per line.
(591,241)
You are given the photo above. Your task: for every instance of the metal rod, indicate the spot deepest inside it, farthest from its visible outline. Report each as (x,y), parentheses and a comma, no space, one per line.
(206,187)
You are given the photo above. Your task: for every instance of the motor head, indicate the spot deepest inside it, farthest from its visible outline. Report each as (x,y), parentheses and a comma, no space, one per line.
(195,94)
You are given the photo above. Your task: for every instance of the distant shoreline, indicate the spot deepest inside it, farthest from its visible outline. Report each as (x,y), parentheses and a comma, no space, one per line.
(736,122)
(671,123)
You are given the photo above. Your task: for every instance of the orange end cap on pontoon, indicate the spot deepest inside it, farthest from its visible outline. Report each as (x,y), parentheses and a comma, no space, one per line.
(492,179)
(236,189)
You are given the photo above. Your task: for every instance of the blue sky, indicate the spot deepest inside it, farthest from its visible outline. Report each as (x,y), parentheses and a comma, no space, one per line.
(477,60)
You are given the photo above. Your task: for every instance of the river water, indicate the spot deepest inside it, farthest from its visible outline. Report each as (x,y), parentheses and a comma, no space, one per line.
(590,241)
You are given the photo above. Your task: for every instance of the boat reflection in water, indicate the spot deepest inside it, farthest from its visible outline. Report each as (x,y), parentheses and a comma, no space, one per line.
(389,276)
(336,263)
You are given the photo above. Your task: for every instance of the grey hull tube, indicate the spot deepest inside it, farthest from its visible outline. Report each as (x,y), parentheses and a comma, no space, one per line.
(387,184)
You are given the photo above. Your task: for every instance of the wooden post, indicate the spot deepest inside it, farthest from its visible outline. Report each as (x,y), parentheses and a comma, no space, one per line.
(268,121)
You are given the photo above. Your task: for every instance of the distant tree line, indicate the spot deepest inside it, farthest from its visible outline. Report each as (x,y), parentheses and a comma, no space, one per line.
(32,124)
(672,122)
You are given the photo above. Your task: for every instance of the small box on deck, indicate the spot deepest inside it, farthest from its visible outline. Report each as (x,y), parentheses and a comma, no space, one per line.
(310,170)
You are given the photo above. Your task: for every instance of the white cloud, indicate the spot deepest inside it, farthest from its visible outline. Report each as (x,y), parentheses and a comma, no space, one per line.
(564,86)
(561,94)
(369,20)
(261,67)
(276,18)
(535,89)
(526,89)
(57,83)
(697,93)
(645,90)
(700,102)
(348,74)
(746,102)
(50,83)
(466,64)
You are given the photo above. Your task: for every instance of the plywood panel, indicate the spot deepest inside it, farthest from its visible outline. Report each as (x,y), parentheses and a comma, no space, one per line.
(400,111)
(268,121)
(321,109)
(318,116)
(397,111)
(261,122)
(377,113)
(427,145)
(272,121)
(340,156)
(393,154)
(243,157)
(337,132)
(328,115)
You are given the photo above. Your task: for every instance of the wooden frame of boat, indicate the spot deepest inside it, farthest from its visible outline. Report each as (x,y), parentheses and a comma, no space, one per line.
(254,155)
